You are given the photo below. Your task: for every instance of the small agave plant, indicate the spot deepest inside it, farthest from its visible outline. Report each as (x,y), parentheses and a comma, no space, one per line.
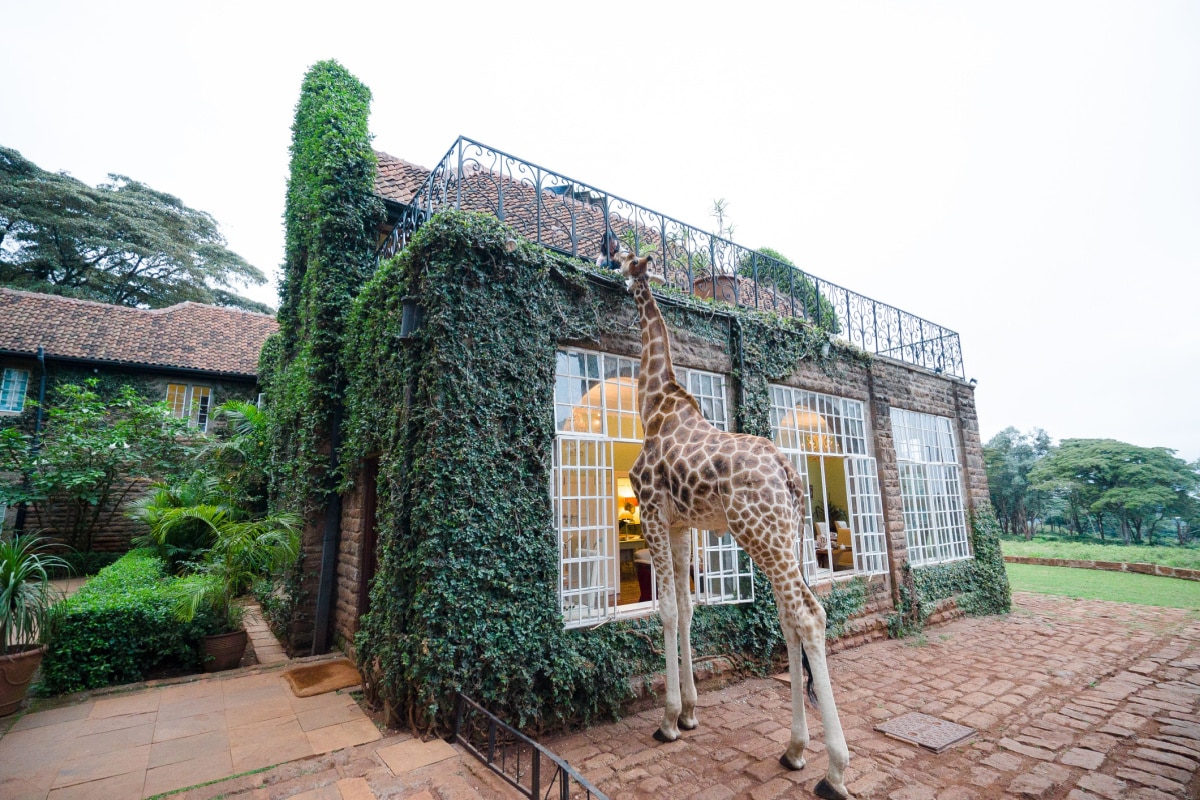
(26,596)
(26,604)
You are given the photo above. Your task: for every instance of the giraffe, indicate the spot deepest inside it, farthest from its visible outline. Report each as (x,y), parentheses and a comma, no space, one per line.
(692,475)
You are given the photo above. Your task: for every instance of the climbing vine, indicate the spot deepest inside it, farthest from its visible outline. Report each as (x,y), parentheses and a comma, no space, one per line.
(461,413)
(331,218)
(979,584)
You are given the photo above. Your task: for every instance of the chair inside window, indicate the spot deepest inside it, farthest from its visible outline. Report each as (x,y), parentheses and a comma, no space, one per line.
(843,555)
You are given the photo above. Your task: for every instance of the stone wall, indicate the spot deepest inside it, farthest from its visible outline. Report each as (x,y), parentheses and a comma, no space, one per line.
(350,565)
(1160,570)
(883,385)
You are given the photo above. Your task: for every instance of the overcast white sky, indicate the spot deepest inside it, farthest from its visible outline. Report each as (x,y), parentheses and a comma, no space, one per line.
(1026,173)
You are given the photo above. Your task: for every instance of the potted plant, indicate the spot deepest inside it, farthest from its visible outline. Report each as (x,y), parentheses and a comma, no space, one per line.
(242,551)
(26,601)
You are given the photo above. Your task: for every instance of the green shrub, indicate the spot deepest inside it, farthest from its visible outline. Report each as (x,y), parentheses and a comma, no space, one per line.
(120,626)
(82,564)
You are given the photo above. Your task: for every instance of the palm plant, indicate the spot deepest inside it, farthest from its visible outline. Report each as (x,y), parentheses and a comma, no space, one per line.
(26,596)
(242,551)
(177,538)
(240,451)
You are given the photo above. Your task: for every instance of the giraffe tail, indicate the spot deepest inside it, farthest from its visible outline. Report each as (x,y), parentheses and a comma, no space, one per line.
(809,691)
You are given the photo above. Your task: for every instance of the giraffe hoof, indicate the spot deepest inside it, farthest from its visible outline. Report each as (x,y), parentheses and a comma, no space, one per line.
(789,764)
(659,736)
(689,724)
(825,790)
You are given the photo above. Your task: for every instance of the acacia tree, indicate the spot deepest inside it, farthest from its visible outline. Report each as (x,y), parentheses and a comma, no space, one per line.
(1137,486)
(1009,458)
(120,242)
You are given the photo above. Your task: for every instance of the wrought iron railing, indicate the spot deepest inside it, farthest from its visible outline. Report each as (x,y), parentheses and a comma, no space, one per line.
(523,763)
(575,218)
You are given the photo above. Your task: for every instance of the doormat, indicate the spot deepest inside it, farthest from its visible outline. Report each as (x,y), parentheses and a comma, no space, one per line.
(324,677)
(928,732)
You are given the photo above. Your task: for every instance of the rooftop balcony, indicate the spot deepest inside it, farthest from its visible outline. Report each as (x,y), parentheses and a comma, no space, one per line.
(578,219)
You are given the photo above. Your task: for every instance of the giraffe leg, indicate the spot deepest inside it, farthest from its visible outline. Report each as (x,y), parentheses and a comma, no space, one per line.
(658,541)
(832,786)
(793,757)
(681,553)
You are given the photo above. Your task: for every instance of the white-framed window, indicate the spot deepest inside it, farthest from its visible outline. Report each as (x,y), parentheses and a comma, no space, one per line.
(825,437)
(12,390)
(604,571)
(935,524)
(190,402)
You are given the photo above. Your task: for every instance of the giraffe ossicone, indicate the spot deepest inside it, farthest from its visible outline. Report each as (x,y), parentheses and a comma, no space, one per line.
(692,475)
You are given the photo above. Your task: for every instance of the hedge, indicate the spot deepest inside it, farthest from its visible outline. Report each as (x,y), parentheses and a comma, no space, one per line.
(119,627)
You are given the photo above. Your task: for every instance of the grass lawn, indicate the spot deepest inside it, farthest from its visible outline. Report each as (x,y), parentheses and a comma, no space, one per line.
(1093,584)
(1048,547)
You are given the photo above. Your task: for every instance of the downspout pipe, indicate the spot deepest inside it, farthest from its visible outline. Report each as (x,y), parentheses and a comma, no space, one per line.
(19,523)
(322,639)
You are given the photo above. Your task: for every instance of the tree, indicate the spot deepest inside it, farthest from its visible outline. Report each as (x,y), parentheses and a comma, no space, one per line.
(120,242)
(1135,485)
(773,268)
(1008,458)
(93,455)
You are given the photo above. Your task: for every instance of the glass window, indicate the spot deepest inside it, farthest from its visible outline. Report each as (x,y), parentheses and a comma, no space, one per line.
(825,438)
(190,402)
(935,524)
(12,390)
(603,560)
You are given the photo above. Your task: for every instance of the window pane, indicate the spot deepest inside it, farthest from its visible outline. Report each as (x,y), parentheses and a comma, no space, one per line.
(12,389)
(200,403)
(930,487)
(177,398)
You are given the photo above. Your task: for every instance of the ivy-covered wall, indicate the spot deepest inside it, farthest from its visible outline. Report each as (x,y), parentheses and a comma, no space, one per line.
(460,415)
(331,219)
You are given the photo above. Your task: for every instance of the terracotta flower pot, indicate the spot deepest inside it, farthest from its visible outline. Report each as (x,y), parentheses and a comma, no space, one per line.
(16,671)
(223,651)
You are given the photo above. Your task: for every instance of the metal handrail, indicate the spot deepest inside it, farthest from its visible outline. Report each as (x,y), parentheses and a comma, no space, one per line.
(516,758)
(575,218)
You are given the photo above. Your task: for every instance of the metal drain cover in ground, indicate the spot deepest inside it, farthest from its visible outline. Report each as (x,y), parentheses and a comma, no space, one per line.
(928,732)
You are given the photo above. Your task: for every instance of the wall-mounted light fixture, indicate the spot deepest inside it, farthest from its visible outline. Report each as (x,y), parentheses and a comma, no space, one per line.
(972,383)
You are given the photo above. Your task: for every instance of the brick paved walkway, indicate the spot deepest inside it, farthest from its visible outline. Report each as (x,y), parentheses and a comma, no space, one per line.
(1073,699)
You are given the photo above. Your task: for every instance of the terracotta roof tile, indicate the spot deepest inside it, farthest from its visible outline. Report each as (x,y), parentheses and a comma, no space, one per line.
(396,179)
(186,335)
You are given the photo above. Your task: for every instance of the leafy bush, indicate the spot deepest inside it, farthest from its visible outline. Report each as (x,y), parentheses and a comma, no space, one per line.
(94,453)
(80,564)
(121,625)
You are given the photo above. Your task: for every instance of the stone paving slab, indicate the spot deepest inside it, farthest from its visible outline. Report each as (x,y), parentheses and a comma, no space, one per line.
(1073,699)
(158,739)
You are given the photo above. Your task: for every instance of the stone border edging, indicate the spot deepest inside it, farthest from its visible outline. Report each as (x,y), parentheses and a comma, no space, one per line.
(1110,566)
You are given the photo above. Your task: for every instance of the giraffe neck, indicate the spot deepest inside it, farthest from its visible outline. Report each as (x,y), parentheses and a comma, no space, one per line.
(657,372)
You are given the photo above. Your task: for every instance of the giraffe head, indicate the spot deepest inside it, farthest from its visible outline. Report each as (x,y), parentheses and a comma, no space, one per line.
(636,269)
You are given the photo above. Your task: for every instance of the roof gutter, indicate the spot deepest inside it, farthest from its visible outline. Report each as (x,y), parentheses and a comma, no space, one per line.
(102,362)
(19,523)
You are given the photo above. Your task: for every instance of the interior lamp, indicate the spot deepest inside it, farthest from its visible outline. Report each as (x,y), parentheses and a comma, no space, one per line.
(625,491)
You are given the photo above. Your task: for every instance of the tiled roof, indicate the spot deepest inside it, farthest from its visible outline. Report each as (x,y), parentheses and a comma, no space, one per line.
(567,223)
(186,336)
(396,179)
